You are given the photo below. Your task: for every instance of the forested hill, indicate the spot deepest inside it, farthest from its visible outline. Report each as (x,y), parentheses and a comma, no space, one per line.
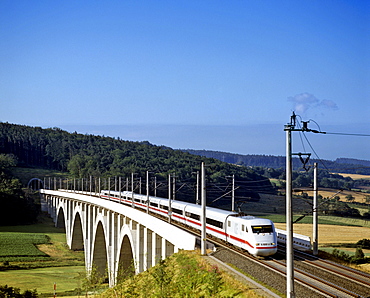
(89,155)
(340,165)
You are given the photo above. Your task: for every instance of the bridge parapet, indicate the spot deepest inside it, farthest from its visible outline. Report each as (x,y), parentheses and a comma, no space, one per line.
(115,238)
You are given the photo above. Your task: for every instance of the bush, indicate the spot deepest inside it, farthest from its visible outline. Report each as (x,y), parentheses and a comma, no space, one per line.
(358,258)
(10,292)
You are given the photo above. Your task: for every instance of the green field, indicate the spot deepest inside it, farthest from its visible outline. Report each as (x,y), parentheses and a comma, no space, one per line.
(15,246)
(43,279)
(41,256)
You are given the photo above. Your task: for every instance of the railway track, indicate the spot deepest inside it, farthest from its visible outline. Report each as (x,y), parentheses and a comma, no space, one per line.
(355,275)
(272,272)
(352,282)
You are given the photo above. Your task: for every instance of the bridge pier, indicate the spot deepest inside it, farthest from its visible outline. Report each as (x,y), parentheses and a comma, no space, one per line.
(117,239)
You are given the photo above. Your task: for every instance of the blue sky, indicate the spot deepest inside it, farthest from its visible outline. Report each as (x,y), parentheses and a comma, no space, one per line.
(218,75)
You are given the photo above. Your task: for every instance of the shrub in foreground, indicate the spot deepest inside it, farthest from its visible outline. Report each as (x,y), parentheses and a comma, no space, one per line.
(184,274)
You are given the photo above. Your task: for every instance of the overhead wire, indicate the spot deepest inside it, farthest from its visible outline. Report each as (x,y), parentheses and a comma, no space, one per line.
(348,134)
(318,157)
(319,131)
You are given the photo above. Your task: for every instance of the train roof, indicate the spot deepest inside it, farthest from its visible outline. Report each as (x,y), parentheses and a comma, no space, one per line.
(215,213)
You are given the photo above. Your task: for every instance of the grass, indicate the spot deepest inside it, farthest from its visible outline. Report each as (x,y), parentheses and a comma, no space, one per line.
(45,226)
(361,209)
(26,174)
(43,279)
(347,221)
(349,251)
(276,182)
(20,245)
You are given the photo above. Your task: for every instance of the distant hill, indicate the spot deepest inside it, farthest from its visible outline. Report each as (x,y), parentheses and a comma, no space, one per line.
(340,165)
(82,156)
(365,163)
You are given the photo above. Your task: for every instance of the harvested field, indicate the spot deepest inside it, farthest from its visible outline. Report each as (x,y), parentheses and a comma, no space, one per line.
(331,234)
(355,176)
(327,192)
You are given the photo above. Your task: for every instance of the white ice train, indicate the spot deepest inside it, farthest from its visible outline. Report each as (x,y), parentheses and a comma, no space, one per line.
(256,235)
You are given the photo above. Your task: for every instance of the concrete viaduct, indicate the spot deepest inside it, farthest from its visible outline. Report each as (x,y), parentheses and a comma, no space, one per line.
(117,239)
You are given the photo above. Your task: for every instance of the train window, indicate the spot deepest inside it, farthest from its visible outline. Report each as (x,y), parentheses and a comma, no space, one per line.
(195,216)
(164,207)
(229,223)
(178,211)
(192,215)
(215,223)
(262,229)
(242,228)
(153,204)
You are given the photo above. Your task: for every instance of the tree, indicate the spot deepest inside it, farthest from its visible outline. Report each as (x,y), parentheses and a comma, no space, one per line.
(7,161)
(364,243)
(16,207)
(359,254)
(91,281)
(350,198)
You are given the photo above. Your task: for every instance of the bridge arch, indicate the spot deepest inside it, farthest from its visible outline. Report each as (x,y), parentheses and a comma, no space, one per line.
(99,256)
(77,241)
(61,218)
(35,184)
(126,256)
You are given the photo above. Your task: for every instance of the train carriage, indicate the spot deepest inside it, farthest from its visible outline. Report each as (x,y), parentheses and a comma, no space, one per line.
(256,235)
(300,242)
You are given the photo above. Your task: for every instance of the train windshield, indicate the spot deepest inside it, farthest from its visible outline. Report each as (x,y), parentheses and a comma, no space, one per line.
(262,229)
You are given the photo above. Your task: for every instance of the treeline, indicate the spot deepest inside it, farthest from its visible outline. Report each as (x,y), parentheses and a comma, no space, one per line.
(89,155)
(340,165)
(17,206)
